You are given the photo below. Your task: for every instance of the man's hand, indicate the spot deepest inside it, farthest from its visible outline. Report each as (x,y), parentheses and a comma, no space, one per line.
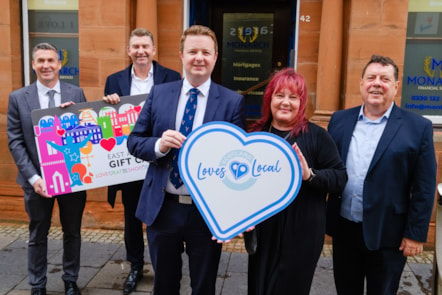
(112,98)
(228,241)
(66,104)
(40,188)
(411,247)
(171,139)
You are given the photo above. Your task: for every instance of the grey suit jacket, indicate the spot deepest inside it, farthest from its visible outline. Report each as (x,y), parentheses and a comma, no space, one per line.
(20,131)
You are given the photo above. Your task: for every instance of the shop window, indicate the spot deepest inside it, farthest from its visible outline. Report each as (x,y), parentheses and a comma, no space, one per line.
(55,22)
(422,79)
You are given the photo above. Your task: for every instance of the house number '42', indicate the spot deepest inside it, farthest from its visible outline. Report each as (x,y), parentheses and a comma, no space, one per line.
(305,18)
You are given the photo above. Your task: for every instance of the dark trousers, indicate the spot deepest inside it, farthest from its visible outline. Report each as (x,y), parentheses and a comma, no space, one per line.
(353,263)
(178,228)
(133,227)
(39,209)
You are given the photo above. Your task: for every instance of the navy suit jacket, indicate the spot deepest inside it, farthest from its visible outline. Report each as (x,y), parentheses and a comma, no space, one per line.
(119,83)
(399,188)
(158,115)
(20,129)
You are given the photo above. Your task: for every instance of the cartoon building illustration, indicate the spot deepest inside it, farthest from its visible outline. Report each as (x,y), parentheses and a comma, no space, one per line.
(70,149)
(53,167)
(121,124)
(67,144)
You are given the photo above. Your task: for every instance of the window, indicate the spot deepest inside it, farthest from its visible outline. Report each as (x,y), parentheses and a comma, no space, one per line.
(55,22)
(422,79)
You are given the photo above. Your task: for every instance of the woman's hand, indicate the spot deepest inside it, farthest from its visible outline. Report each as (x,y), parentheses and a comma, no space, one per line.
(306,172)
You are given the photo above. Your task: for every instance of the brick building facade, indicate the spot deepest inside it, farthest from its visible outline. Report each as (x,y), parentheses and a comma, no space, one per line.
(334,41)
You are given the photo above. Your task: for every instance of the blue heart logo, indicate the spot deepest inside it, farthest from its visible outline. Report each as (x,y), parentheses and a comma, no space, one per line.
(236,179)
(239,169)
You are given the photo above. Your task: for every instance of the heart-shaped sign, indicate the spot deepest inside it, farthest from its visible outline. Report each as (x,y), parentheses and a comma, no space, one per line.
(108,144)
(236,179)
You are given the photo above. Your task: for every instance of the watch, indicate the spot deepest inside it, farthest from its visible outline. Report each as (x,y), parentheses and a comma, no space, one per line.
(312,175)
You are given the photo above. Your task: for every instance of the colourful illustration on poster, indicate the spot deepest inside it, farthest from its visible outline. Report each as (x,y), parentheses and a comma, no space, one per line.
(83,146)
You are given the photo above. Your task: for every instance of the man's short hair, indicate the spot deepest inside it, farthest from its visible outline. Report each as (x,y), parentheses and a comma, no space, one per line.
(198,30)
(44,46)
(383,60)
(141,32)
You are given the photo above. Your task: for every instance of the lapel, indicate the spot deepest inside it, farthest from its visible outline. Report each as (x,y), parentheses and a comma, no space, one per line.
(175,91)
(392,127)
(31,97)
(212,103)
(349,126)
(158,74)
(125,80)
(66,92)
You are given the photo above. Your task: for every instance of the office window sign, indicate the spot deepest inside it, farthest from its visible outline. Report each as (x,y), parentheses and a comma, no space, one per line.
(56,22)
(422,79)
(68,55)
(422,82)
(427,23)
(247,55)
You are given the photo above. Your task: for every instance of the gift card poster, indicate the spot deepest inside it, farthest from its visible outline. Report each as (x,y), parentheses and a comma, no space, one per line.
(84,146)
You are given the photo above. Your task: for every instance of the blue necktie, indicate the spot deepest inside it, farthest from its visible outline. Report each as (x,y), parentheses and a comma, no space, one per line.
(185,129)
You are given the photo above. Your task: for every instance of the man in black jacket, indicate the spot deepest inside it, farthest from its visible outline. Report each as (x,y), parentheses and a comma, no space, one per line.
(136,79)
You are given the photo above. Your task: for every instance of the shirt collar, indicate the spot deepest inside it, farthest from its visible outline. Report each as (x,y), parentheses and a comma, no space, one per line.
(44,90)
(149,75)
(203,88)
(386,115)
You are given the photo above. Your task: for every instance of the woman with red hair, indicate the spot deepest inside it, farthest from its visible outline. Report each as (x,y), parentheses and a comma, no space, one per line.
(289,243)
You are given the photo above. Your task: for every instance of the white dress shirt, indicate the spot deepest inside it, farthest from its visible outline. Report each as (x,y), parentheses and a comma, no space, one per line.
(141,86)
(198,121)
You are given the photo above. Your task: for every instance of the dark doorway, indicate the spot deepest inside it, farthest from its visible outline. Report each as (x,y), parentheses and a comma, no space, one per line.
(255,39)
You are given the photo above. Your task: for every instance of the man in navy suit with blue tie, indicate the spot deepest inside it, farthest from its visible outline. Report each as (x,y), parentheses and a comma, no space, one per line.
(138,78)
(174,224)
(385,208)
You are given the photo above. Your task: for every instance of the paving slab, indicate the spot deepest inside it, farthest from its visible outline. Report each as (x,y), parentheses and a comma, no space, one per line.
(323,283)
(104,269)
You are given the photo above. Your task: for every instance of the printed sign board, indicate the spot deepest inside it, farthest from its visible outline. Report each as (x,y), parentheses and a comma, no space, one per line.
(83,146)
(237,179)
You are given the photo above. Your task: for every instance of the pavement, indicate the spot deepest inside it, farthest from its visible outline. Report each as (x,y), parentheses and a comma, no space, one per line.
(104,269)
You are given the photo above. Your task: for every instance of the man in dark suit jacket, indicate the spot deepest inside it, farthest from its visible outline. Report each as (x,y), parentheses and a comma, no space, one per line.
(38,203)
(173,221)
(138,78)
(385,209)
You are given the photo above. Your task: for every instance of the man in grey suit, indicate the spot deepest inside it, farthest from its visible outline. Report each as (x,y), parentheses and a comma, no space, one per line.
(47,91)
(174,223)
(138,78)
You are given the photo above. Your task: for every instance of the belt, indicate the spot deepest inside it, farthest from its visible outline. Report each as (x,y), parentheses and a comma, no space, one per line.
(181,199)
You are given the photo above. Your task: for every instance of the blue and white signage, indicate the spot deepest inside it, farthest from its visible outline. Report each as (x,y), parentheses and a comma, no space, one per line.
(236,179)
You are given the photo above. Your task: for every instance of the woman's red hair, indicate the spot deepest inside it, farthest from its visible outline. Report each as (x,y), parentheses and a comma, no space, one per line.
(286,78)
